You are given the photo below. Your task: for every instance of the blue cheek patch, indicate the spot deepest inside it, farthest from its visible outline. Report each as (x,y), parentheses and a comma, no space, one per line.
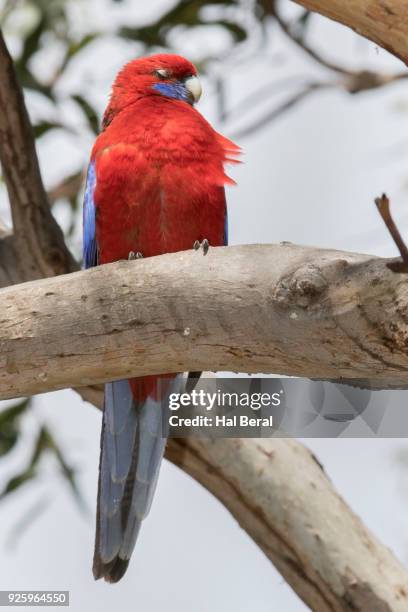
(177,91)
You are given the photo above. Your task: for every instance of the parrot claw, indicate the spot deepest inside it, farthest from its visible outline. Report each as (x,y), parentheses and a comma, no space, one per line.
(205,245)
(132,255)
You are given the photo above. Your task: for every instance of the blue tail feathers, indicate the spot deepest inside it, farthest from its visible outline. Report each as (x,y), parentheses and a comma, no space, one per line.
(132,448)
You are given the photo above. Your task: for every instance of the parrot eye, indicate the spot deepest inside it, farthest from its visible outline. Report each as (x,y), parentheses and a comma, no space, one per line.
(162,73)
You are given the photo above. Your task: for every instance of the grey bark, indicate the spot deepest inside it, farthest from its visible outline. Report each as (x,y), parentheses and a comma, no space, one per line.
(280,309)
(385,22)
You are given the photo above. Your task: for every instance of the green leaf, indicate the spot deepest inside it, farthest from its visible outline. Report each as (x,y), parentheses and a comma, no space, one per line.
(89,112)
(30,514)
(185,13)
(47,441)
(44,442)
(45,126)
(70,476)
(32,41)
(16,481)
(77,46)
(305,18)
(300,25)
(29,81)
(10,425)
(41,445)
(74,47)
(238,33)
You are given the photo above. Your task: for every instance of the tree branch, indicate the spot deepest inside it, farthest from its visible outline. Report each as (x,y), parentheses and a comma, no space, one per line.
(280,495)
(68,188)
(284,309)
(351,81)
(299,41)
(37,236)
(10,271)
(274,488)
(385,22)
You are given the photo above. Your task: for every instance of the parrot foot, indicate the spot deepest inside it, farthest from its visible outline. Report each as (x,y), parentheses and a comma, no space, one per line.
(205,245)
(132,255)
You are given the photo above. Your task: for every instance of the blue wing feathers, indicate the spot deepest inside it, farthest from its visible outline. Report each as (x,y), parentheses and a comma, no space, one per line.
(90,246)
(226,227)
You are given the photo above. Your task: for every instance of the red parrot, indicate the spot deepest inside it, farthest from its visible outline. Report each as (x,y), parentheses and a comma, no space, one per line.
(155,185)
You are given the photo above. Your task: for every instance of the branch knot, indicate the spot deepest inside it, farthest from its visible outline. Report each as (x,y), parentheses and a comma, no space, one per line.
(303,287)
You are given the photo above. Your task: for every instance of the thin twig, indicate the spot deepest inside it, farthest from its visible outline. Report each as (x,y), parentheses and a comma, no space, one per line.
(383,206)
(286,28)
(259,95)
(356,81)
(352,81)
(277,111)
(68,188)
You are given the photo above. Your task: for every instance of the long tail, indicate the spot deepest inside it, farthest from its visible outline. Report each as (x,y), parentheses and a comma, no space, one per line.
(132,448)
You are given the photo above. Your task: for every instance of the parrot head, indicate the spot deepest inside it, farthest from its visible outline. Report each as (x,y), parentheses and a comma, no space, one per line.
(171,76)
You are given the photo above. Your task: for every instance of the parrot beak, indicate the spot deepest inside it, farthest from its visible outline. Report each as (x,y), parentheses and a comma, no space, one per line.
(193,86)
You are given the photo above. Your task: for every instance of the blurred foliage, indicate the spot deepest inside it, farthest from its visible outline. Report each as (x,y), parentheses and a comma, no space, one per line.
(10,426)
(188,14)
(43,444)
